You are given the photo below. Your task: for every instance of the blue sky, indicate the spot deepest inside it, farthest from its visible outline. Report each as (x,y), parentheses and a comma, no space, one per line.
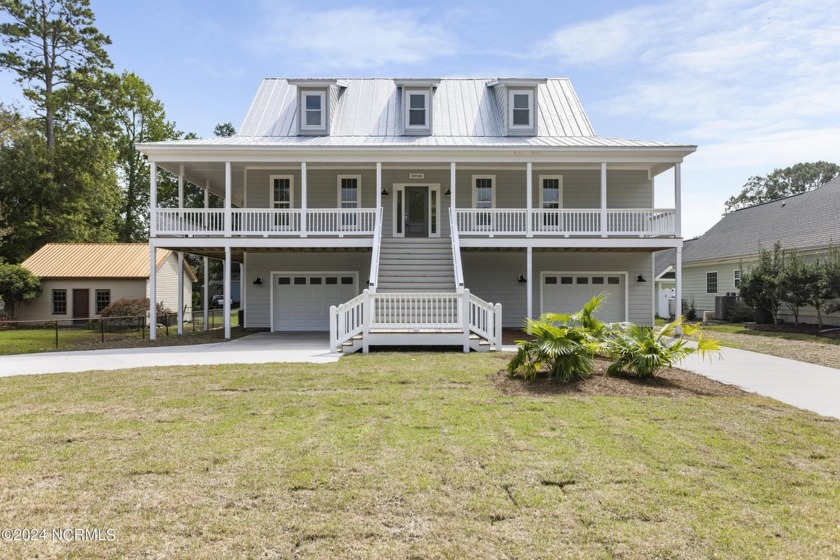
(754,84)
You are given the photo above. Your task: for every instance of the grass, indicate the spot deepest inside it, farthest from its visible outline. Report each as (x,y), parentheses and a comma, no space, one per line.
(407,456)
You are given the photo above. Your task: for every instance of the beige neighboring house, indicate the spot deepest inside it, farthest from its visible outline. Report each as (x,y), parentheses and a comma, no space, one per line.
(78,280)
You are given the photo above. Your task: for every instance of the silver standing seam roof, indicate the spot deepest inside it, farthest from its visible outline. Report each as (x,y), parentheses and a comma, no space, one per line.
(810,220)
(465,113)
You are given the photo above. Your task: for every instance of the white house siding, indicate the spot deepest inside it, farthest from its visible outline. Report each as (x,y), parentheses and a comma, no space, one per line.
(258,298)
(166,289)
(41,308)
(493,276)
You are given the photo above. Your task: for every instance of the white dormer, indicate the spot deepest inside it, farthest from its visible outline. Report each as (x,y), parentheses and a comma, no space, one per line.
(416,100)
(316,102)
(518,105)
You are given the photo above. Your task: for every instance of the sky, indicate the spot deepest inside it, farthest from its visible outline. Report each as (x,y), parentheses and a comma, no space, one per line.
(754,84)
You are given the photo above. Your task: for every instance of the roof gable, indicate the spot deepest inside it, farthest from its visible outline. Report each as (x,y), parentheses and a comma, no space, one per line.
(803,221)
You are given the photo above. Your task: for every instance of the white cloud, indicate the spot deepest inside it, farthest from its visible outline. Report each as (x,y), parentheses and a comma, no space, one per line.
(351,38)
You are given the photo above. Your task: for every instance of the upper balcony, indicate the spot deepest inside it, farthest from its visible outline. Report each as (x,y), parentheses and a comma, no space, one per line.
(264,222)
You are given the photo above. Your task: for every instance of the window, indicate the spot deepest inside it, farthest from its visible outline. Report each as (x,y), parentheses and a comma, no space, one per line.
(349,197)
(582,280)
(597,279)
(551,280)
(521,109)
(103,300)
(313,111)
(59,302)
(736,276)
(614,280)
(483,198)
(711,283)
(417,109)
(551,196)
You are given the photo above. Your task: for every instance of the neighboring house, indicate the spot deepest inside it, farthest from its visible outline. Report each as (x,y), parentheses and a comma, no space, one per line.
(807,222)
(666,285)
(392,211)
(79,280)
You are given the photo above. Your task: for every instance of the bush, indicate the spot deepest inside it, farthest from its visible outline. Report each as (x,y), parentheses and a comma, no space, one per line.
(740,312)
(131,308)
(689,311)
(644,351)
(563,346)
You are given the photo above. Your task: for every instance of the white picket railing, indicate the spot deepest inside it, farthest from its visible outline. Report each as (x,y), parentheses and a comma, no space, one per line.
(341,221)
(373,278)
(641,221)
(485,319)
(456,252)
(491,221)
(566,222)
(347,320)
(415,311)
(265,221)
(190,221)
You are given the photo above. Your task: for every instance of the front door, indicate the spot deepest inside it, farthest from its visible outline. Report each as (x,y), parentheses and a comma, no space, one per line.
(81,304)
(417,211)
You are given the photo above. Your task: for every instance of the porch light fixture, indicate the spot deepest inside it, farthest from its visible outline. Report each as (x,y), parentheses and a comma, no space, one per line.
(640,278)
(522,279)
(384,192)
(448,192)
(258,281)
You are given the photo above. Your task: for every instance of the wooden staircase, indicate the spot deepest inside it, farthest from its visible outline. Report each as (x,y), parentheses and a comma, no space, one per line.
(416,264)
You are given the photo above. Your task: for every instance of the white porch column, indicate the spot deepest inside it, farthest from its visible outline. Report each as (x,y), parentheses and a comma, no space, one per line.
(453,202)
(378,185)
(678,200)
(303,202)
(228,194)
(181,187)
(152,289)
(152,199)
(180,292)
(206,296)
(529,284)
(529,199)
(226,292)
(603,200)
(678,282)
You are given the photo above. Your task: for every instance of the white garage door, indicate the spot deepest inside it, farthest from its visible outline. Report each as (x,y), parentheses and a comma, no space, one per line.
(301,301)
(567,293)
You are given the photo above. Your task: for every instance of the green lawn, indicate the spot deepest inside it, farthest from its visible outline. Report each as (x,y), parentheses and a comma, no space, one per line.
(407,456)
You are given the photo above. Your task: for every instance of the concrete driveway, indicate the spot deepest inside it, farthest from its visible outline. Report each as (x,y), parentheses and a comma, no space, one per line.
(259,348)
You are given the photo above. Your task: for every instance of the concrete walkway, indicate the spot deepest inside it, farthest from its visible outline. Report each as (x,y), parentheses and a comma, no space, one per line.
(803,385)
(259,348)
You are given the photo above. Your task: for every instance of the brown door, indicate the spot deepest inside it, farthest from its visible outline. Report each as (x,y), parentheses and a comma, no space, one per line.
(81,304)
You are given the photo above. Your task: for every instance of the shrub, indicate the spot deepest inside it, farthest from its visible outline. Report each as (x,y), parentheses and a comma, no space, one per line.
(644,351)
(689,311)
(740,312)
(131,308)
(563,345)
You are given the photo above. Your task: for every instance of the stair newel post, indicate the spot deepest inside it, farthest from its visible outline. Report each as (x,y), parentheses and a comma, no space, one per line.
(333,328)
(498,333)
(366,315)
(465,318)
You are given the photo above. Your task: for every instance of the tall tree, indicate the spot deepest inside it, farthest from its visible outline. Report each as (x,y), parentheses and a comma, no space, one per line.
(224,130)
(55,50)
(17,285)
(780,183)
(140,118)
(760,286)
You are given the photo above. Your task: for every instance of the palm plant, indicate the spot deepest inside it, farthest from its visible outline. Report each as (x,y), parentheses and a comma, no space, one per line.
(645,351)
(563,345)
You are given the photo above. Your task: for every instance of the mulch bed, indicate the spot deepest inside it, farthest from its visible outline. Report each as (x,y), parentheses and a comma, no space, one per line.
(667,383)
(803,328)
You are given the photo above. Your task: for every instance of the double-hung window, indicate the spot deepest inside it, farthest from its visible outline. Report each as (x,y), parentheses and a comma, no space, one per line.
(313,111)
(349,197)
(484,199)
(551,197)
(736,277)
(282,192)
(59,302)
(711,282)
(103,300)
(417,110)
(521,109)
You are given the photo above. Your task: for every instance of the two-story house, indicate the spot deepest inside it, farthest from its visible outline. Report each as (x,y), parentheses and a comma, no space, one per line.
(394,211)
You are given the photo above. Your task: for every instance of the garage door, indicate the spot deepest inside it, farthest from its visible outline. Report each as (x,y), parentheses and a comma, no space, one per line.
(301,301)
(567,293)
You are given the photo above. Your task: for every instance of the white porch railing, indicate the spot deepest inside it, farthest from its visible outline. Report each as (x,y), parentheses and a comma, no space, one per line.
(456,252)
(565,221)
(265,221)
(415,312)
(373,278)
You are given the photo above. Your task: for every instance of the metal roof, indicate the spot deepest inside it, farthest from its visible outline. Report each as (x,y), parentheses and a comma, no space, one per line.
(95,260)
(810,220)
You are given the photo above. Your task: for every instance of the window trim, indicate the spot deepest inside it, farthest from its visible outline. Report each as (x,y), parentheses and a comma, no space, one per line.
(530,94)
(736,278)
(358,179)
(271,201)
(542,178)
(96,293)
(492,190)
(52,301)
(426,108)
(717,282)
(302,113)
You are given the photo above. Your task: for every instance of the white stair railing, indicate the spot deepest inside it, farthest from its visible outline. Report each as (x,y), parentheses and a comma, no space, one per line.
(485,319)
(347,320)
(456,250)
(373,278)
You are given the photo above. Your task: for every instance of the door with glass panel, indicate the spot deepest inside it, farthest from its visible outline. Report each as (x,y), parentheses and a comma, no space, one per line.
(281,200)
(417,211)
(550,197)
(348,195)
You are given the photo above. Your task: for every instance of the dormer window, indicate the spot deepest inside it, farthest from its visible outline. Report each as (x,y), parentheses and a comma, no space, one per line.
(417,109)
(521,109)
(312,111)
